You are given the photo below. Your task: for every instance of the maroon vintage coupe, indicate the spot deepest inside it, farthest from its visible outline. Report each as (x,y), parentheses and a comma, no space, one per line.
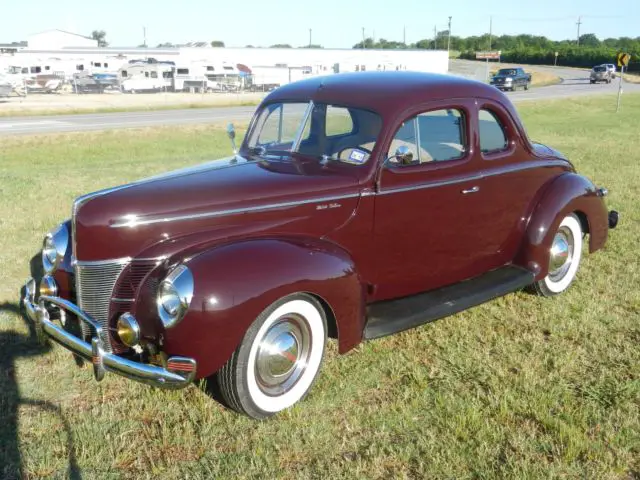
(358,206)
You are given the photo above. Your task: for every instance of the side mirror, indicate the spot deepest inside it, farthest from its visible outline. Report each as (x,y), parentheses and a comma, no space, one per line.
(231,132)
(403,156)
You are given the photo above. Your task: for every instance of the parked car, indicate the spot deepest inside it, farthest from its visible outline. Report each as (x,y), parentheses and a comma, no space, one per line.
(511,78)
(600,73)
(358,205)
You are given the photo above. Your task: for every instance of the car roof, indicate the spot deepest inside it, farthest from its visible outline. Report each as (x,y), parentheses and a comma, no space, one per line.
(385,92)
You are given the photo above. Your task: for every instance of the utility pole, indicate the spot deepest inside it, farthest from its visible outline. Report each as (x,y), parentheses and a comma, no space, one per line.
(310,38)
(449,38)
(490,31)
(578,24)
(363,37)
(435,38)
(404,34)
(144,35)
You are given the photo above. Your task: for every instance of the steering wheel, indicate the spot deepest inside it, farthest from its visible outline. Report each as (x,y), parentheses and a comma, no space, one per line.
(362,149)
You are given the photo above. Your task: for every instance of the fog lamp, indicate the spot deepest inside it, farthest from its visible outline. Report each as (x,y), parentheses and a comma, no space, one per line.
(48,286)
(128,330)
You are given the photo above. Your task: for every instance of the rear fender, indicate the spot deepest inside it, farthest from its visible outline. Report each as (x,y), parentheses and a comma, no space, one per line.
(235,282)
(568,193)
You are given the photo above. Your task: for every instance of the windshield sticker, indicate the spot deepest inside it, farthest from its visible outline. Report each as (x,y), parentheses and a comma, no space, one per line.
(357,156)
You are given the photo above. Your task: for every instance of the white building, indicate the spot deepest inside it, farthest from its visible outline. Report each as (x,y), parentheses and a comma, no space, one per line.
(57,50)
(58,40)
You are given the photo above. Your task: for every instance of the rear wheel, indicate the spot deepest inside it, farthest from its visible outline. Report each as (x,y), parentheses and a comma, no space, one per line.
(278,359)
(564,258)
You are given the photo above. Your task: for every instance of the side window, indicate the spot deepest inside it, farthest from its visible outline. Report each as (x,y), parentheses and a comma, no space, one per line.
(440,135)
(154,74)
(338,121)
(281,126)
(492,136)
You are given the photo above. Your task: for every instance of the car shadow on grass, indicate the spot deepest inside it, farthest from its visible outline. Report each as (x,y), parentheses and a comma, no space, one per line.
(13,346)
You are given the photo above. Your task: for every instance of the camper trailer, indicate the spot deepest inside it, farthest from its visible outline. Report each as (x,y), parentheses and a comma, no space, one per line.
(145,77)
(206,76)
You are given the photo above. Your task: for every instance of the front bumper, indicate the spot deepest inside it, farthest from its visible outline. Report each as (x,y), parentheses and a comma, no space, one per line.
(178,373)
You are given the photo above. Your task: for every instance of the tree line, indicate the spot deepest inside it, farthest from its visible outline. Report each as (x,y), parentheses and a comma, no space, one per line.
(586,51)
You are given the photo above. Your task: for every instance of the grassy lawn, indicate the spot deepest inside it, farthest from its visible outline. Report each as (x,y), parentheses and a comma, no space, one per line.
(521,387)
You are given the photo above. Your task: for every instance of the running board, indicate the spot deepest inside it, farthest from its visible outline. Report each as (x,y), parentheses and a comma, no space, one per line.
(393,316)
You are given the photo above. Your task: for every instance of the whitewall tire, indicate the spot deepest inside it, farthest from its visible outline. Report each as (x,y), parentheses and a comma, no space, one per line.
(278,359)
(564,258)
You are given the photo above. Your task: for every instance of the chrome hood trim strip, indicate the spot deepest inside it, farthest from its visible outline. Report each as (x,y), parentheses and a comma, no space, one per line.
(132,221)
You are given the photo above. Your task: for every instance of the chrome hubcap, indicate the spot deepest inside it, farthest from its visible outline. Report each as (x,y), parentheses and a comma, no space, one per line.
(283,355)
(561,254)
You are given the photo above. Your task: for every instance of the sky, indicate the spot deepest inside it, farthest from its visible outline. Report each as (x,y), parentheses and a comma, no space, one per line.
(333,23)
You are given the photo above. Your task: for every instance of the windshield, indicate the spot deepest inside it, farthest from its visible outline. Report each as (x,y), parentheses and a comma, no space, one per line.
(315,129)
(506,71)
(600,69)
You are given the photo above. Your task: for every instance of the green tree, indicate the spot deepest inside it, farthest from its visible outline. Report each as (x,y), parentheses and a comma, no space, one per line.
(281,45)
(217,43)
(589,40)
(100,36)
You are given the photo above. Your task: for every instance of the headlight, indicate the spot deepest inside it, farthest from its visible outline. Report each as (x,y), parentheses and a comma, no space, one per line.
(54,248)
(174,296)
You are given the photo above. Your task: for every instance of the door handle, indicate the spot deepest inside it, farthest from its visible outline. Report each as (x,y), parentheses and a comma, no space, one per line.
(471,190)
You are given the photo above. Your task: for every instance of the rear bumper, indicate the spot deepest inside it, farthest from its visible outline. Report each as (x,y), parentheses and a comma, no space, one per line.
(179,371)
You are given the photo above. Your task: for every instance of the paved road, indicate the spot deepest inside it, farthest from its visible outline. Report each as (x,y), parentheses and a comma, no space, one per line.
(575,83)
(105,121)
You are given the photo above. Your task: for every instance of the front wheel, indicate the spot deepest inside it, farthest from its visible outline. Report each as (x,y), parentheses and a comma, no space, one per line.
(564,258)
(278,359)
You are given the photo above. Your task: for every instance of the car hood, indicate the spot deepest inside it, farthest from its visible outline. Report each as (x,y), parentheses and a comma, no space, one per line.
(218,201)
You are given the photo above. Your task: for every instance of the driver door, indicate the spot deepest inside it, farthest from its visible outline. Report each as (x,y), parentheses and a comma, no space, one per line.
(424,208)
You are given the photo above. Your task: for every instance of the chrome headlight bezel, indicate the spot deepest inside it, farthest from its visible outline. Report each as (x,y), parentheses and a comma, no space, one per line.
(54,248)
(174,296)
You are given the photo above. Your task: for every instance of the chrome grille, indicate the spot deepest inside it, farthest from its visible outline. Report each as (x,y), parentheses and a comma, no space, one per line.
(94,288)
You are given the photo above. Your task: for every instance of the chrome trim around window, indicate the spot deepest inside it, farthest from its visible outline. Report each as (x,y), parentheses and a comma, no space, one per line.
(128,221)
(303,124)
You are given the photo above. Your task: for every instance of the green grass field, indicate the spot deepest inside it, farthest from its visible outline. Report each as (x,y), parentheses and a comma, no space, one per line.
(519,388)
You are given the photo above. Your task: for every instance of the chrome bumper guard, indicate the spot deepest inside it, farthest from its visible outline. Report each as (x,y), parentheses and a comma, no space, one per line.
(179,371)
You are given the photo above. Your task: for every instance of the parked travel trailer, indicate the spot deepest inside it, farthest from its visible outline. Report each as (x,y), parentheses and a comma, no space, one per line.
(198,76)
(265,78)
(139,77)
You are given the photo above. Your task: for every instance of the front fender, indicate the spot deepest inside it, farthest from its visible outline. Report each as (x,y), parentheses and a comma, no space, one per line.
(566,194)
(235,282)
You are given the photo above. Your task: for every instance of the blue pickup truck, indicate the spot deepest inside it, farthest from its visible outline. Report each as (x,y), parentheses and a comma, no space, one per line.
(511,78)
